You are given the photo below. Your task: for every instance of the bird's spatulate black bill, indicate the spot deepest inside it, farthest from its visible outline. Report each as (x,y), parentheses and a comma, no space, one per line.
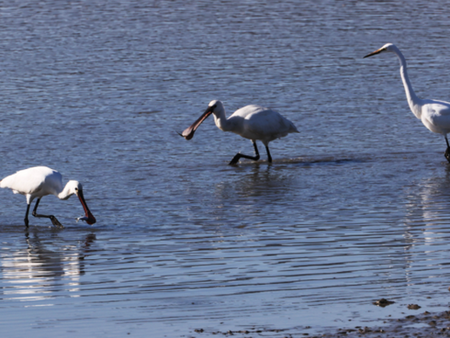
(188,133)
(89,218)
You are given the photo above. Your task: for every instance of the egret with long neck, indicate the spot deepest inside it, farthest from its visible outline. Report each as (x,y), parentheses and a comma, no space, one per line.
(434,114)
(252,122)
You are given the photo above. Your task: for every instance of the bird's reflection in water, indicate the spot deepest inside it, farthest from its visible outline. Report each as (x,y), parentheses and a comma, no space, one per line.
(428,206)
(45,267)
(247,191)
(245,181)
(263,180)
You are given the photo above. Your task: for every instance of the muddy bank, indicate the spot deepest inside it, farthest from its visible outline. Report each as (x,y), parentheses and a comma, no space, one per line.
(423,325)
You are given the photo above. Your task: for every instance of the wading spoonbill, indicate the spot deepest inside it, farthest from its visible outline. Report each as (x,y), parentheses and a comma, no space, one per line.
(252,122)
(37,182)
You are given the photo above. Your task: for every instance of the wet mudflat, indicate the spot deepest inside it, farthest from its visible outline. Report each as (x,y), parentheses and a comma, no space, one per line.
(423,325)
(355,208)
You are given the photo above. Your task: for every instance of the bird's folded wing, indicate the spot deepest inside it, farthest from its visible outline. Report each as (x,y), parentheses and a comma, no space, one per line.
(436,117)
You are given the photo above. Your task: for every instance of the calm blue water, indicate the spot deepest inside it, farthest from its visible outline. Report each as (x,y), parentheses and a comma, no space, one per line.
(353,209)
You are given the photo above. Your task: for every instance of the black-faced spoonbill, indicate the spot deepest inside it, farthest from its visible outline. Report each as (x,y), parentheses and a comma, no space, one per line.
(434,114)
(252,122)
(38,182)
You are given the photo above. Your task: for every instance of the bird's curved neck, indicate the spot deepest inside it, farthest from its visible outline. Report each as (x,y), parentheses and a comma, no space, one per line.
(415,104)
(65,193)
(222,122)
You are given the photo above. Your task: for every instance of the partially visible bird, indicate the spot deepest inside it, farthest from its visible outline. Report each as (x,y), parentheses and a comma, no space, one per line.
(252,122)
(434,114)
(37,182)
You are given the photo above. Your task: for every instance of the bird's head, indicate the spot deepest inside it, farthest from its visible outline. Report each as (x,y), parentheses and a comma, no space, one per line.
(389,47)
(214,107)
(76,188)
(72,188)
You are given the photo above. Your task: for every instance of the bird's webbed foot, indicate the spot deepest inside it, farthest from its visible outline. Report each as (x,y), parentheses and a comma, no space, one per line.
(235,159)
(447,154)
(238,156)
(56,222)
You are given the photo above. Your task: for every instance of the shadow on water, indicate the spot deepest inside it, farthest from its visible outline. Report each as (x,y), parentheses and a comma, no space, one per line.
(307,161)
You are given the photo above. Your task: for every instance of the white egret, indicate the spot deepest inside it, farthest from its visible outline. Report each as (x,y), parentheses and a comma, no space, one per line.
(434,114)
(252,122)
(37,182)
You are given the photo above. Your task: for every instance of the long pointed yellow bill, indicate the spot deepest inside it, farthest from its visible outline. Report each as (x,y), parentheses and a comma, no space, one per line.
(378,51)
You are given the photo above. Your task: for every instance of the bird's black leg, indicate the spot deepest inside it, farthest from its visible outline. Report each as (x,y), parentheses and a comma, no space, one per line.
(239,155)
(269,158)
(52,218)
(26,215)
(447,151)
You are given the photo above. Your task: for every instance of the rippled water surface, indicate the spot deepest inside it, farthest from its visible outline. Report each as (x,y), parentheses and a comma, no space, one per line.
(355,207)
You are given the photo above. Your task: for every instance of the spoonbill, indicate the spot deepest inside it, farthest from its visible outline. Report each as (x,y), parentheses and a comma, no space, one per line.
(37,182)
(434,114)
(252,122)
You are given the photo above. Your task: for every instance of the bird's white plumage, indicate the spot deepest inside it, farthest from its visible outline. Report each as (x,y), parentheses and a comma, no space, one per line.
(34,182)
(253,122)
(436,116)
(37,182)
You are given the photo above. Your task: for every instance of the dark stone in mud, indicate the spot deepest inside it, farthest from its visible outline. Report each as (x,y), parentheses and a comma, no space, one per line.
(383,302)
(248,331)
(413,307)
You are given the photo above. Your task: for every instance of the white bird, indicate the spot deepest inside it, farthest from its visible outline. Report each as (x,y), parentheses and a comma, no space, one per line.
(37,182)
(434,114)
(252,122)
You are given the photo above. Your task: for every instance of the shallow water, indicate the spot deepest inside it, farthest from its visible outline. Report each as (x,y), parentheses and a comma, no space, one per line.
(353,209)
